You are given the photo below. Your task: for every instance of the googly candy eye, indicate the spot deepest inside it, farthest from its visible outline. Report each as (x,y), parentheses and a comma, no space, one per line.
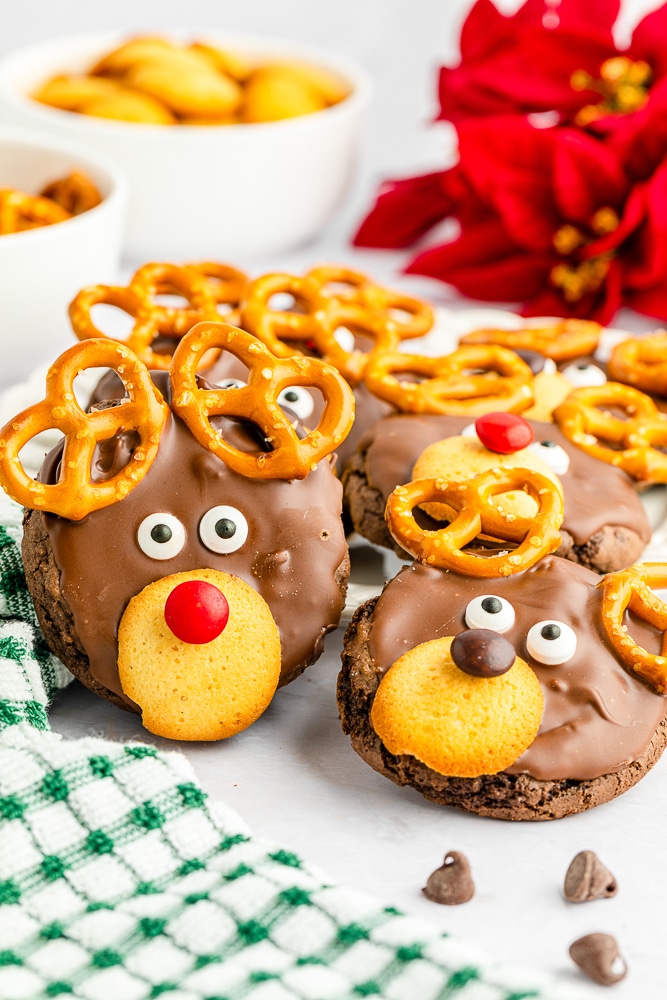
(223,529)
(582,375)
(232,383)
(490,612)
(161,536)
(298,400)
(555,457)
(551,642)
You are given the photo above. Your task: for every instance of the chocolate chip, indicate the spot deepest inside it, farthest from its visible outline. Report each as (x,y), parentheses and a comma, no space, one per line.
(597,955)
(451,884)
(587,879)
(482,652)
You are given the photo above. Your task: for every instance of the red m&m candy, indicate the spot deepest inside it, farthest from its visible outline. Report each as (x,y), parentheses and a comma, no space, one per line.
(196,611)
(504,433)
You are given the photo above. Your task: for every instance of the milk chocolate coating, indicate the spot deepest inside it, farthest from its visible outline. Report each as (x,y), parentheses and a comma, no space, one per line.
(295,555)
(605,525)
(368,409)
(602,727)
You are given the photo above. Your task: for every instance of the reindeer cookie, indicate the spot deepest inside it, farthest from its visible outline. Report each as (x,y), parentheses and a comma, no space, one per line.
(605,526)
(184,546)
(497,677)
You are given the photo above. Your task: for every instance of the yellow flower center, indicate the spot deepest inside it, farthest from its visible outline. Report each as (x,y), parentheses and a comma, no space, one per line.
(623,86)
(576,278)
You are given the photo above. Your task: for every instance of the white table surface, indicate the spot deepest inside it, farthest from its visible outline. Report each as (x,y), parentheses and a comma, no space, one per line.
(293,775)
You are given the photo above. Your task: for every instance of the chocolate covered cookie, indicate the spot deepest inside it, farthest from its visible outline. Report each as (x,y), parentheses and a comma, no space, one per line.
(185,549)
(605,526)
(435,687)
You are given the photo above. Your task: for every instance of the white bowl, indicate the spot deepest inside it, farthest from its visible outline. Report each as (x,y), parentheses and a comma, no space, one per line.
(230,191)
(41,270)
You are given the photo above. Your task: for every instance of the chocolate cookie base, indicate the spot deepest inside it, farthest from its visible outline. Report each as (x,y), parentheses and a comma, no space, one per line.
(57,622)
(501,796)
(608,549)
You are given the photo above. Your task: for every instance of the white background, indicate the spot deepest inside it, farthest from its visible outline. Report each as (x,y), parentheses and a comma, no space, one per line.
(293,776)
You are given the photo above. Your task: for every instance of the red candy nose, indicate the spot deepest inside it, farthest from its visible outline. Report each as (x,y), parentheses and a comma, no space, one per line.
(196,611)
(504,433)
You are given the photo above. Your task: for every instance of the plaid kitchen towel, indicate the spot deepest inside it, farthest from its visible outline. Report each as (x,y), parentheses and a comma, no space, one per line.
(121,880)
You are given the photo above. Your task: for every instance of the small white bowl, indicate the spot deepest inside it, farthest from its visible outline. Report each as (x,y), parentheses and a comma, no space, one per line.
(227,191)
(41,270)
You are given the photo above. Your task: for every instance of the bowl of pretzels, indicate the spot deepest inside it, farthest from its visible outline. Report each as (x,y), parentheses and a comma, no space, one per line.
(62,214)
(234,146)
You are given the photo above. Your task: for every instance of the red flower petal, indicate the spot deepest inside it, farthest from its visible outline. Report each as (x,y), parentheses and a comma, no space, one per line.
(484,264)
(646,252)
(652,302)
(403,212)
(639,139)
(586,176)
(509,165)
(596,13)
(527,72)
(482,30)
(648,41)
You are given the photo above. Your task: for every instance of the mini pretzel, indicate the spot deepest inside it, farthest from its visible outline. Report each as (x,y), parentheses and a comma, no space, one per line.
(20,211)
(360,321)
(641,362)
(631,443)
(631,589)
(570,338)
(473,514)
(412,317)
(275,326)
(76,193)
(76,495)
(292,457)
(156,279)
(498,380)
(227,283)
(151,319)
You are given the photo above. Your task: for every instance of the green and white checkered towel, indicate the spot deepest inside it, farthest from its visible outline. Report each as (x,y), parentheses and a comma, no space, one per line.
(120,880)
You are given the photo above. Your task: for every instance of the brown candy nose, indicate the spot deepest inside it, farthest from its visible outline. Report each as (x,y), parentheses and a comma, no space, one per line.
(482,653)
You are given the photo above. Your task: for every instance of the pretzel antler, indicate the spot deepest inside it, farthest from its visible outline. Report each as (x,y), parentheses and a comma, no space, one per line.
(292,457)
(278,328)
(631,588)
(470,381)
(632,443)
(410,317)
(641,362)
(151,318)
(562,341)
(76,495)
(474,514)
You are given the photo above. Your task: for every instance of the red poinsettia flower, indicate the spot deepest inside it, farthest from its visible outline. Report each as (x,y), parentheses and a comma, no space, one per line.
(559,56)
(549,218)
(524,63)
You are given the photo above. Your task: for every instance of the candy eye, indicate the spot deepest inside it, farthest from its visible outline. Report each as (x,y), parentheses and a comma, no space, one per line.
(161,536)
(298,400)
(584,375)
(223,529)
(232,383)
(489,611)
(555,457)
(551,642)
(469,431)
